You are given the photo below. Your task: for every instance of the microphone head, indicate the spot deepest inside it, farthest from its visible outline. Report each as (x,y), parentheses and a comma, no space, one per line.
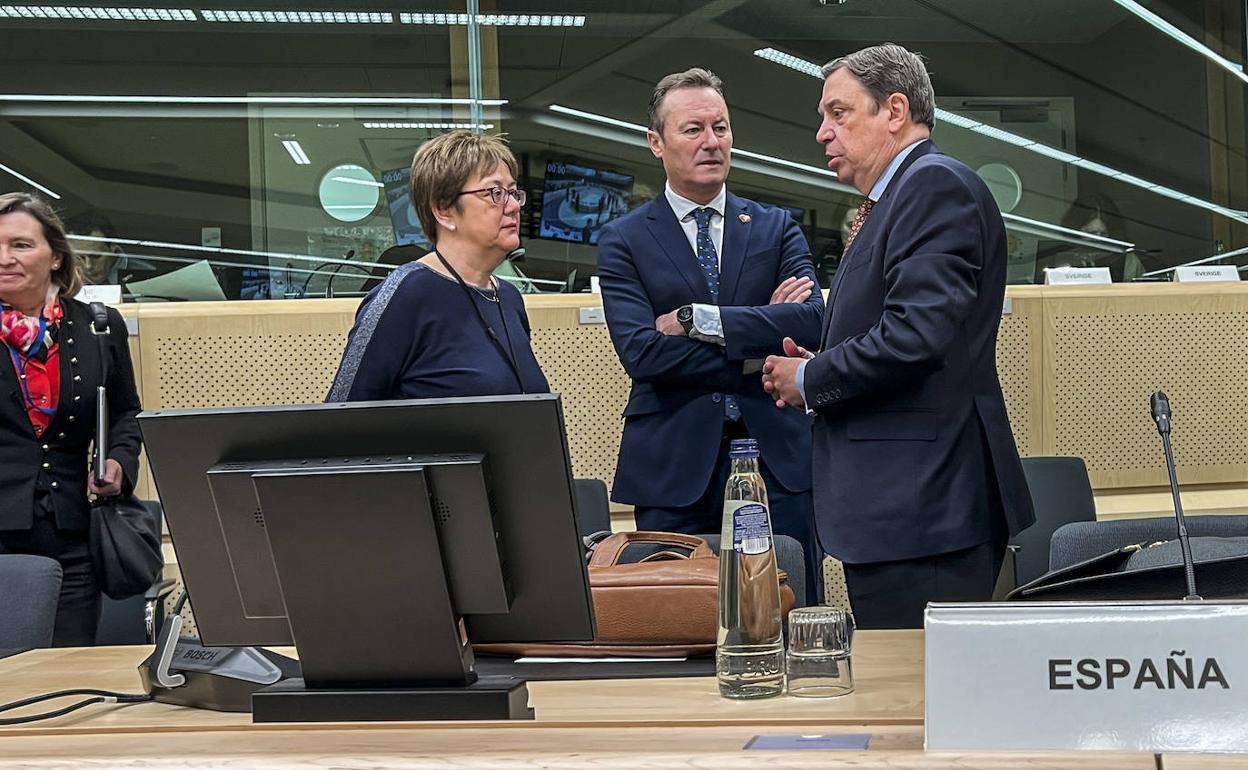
(1159,403)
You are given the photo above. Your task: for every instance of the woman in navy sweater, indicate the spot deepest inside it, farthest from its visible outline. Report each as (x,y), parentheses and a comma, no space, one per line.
(443,325)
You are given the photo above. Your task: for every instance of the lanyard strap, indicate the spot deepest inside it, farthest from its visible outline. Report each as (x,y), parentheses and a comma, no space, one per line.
(489,330)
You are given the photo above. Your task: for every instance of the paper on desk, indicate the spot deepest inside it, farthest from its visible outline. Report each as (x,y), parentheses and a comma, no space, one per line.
(600,660)
(195,282)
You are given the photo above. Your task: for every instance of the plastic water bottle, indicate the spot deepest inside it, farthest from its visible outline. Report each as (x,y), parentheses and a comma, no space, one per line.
(749,652)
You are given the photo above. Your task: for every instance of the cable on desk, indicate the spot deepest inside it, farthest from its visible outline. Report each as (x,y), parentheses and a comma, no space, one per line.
(100,696)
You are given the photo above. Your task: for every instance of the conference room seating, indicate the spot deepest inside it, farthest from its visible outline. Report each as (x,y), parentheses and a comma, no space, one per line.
(593,506)
(29,587)
(1061,493)
(1080,541)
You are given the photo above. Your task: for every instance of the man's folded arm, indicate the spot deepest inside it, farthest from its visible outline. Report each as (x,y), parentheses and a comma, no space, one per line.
(647,354)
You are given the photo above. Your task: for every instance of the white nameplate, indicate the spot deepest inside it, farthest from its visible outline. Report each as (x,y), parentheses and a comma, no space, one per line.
(1206,273)
(1130,676)
(1067,275)
(591,315)
(108,293)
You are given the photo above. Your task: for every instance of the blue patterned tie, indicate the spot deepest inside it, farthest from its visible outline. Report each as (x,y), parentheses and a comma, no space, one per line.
(708,259)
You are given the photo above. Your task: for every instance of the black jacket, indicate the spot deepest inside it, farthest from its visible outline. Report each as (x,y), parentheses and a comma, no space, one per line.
(912,442)
(60,461)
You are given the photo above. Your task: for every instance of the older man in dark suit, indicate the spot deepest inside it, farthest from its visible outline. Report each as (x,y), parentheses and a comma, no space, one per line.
(917,482)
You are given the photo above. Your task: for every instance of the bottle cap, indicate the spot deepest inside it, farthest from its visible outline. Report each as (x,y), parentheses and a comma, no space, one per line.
(743,449)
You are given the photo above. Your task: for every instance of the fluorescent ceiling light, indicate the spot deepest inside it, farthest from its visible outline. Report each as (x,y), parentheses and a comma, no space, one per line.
(790,61)
(292,100)
(299,17)
(95,13)
(349,180)
(427,125)
(1182,37)
(29,181)
(1022,142)
(495,19)
(296,152)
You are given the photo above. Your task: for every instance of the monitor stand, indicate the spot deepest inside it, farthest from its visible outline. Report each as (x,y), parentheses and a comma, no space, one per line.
(367,594)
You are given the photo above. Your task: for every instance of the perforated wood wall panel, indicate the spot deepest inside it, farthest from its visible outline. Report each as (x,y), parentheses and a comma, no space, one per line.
(278,355)
(1018,367)
(581,365)
(1105,358)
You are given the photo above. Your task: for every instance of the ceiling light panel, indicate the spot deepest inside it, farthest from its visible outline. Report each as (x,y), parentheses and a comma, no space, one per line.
(93,13)
(298,17)
(495,19)
(434,126)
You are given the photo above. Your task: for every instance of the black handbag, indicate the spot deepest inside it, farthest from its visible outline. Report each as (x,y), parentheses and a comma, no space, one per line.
(125,546)
(124,537)
(1147,572)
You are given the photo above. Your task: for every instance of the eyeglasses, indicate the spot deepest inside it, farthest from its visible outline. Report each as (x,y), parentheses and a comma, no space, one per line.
(499,195)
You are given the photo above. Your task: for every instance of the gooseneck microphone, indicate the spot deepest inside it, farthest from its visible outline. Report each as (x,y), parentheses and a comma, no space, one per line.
(1159,404)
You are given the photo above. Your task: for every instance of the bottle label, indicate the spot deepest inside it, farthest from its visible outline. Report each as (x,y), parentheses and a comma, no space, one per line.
(751,527)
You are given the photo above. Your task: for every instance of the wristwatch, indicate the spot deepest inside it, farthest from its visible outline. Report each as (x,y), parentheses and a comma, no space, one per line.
(684,315)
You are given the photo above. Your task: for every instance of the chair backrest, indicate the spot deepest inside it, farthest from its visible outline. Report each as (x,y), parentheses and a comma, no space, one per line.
(1061,493)
(29,589)
(1081,541)
(593,506)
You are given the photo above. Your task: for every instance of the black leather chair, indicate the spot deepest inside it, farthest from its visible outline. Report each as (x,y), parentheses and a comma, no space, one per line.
(1061,493)
(593,506)
(29,589)
(1080,541)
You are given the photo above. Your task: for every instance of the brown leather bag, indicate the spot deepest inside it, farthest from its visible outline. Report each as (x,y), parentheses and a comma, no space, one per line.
(662,606)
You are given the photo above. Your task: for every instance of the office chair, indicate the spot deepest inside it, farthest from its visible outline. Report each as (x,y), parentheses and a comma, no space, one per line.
(1061,493)
(593,506)
(29,589)
(1080,541)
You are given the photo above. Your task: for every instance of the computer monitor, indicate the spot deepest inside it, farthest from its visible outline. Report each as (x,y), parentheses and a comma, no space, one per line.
(407,227)
(578,200)
(347,521)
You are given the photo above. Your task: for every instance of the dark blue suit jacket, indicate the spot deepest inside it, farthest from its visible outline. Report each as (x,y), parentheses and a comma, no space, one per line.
(673,423)
(913,452)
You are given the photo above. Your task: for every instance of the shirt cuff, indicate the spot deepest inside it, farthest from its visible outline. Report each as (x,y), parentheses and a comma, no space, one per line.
(707,325)
(801,385)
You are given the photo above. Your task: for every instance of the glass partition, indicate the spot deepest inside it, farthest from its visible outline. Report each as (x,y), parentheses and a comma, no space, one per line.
(272,140)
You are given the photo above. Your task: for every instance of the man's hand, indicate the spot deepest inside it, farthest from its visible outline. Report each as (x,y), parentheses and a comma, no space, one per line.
(780,375)
(112,480)
(793,290)
(667,324)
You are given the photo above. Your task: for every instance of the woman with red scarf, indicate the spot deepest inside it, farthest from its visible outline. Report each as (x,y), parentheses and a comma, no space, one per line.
(47,408)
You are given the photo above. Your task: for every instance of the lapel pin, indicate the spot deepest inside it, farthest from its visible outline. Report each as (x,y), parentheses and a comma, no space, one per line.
(745,218)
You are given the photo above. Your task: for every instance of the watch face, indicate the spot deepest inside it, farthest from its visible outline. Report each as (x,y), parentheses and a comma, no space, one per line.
(685,313)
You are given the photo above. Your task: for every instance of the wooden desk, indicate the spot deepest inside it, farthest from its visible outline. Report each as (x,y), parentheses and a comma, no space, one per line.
(665,723)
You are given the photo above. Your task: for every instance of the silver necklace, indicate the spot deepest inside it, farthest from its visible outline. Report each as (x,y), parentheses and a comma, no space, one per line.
(491,295)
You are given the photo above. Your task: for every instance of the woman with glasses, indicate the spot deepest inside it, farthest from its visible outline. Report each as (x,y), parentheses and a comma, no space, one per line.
(443,325)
